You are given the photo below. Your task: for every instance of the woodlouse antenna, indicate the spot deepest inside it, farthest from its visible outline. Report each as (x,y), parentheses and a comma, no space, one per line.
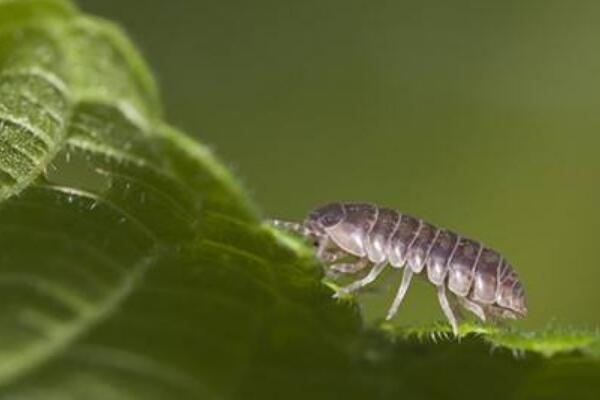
(289,226)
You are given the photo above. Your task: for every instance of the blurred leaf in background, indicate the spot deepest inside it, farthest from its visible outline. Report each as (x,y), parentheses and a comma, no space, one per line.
(133,266)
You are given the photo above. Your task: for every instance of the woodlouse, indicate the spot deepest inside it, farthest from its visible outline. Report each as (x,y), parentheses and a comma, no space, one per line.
(482,281)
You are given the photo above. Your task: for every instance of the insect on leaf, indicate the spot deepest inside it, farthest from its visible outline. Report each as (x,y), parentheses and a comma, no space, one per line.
(133,266)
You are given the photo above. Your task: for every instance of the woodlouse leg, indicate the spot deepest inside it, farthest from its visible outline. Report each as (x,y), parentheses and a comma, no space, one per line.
(323,244)
(333,256)
(472,307)
(447,309)
(406,278)
(336,270)
(371,276)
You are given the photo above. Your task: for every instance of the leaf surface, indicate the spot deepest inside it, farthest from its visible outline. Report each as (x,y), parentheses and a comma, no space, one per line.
(133,265)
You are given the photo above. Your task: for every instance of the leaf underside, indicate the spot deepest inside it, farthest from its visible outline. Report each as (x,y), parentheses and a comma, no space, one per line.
(133,266)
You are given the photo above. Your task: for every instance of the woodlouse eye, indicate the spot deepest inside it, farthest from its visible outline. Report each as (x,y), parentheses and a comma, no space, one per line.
(328,215)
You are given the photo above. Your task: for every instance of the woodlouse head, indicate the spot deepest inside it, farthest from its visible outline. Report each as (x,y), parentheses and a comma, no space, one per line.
(325,217)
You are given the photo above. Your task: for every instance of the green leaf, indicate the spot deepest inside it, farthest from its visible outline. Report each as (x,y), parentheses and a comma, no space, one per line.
(133,266)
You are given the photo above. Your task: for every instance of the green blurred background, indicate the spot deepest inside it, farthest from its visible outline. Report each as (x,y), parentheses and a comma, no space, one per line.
(478,116)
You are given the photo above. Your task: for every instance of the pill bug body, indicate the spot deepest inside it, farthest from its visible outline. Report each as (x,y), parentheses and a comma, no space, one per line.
(481,280)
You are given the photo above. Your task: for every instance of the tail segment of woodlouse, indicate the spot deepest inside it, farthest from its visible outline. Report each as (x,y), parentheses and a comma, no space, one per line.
(481,280)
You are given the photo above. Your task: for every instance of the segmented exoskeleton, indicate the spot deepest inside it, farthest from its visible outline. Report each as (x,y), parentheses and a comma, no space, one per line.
(482,281)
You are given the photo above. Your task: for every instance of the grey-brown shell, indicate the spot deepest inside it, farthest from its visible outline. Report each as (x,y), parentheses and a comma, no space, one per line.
(467,267)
